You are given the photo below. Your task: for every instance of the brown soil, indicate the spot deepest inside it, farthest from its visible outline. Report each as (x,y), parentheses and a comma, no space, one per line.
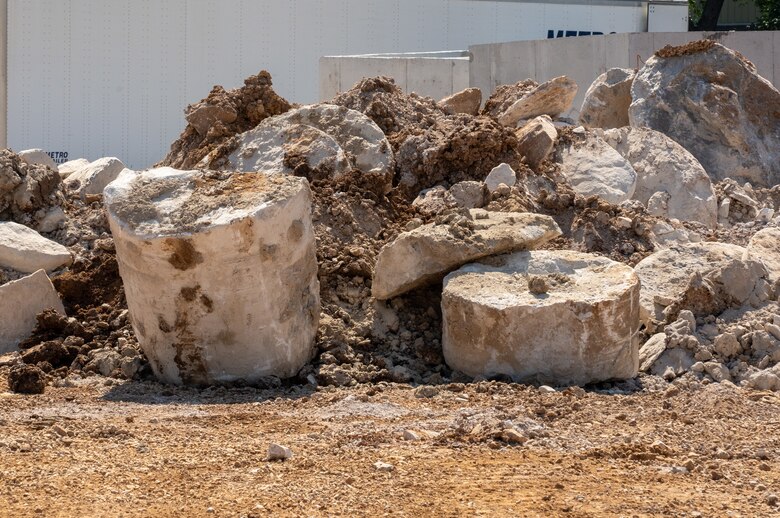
(251,103)
(27,192)
(484,449)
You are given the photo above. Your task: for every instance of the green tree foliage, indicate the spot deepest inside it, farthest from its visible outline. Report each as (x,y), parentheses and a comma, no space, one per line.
(769,17)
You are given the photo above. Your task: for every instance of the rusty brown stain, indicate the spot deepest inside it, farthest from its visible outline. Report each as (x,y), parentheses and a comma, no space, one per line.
(183,256)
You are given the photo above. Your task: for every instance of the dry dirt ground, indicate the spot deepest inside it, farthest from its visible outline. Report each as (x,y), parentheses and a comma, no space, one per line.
(144,449)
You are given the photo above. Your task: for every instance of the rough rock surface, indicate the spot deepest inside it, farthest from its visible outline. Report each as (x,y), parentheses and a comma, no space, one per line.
(582,328)
(27,192)
(764,246)
(93,178)
(314,141)
(712,101)
(501,174)
(536,140)
(25,250)
(666,169)
(20,303)
(466,101)
(705,278)
(37,157)
(214,121)
(593,168)
(552,98)
(607,100)
(425,254)
(71,166)
(203,233)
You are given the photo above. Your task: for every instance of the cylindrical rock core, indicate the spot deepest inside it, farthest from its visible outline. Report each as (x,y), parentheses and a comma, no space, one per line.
(220,272)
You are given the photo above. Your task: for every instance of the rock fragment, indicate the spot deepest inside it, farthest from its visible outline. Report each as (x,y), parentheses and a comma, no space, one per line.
(93,178)
(607,100)
(468,194)
(25,250)
(26,379)
(466,101)
(501,174)
(594,168)
(712,101)
(582,330)
(666,169)
(203,234)
(37,157)
(536,140)
(20,303)
(552,98)
(651,351)
(427,253)
(279,452)
(765,246)
(71,166)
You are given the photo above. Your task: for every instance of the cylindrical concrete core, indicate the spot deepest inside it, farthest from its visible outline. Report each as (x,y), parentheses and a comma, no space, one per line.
(559,317)
(219,270)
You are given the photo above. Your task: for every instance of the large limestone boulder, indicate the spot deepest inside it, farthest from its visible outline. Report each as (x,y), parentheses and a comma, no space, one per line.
(559,317)
(552,98)
(219,270)
(594,168)
(607,100)
(71,166)
(25,250)
(426,254)
(466,101)
(20,303)
(666,170)
(346,140)
(536,140)
(765,246)
(93,178)
(706,277)
(712,101)
(37,157)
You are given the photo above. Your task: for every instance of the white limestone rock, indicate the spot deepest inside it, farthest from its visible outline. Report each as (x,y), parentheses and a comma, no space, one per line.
(219,270)
(651,351)
(765,246)
(424,255)
(20,303)
(592,167)
(580,328)
(536,140)
(93,178)
(38,157)
(322,139)
(712,101)
(25,250)
(607,100)
(466,101)
(665,169)
(468,194)
(71,166)
(552,98)
(501,174)
(717,268)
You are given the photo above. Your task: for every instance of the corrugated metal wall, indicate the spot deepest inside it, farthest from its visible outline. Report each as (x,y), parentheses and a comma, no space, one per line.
(95,77)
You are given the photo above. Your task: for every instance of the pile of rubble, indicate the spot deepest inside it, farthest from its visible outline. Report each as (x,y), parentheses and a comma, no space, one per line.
(429,242)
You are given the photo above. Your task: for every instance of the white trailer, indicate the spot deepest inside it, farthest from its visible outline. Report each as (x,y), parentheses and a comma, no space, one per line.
(90,78)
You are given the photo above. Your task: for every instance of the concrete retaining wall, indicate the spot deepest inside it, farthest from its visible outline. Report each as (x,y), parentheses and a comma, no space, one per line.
(434,74)
(584,58)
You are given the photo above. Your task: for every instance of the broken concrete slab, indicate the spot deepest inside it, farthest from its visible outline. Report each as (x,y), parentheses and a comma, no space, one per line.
(20,303)
(426,254)
(25,250)
(202,236)
(581,328)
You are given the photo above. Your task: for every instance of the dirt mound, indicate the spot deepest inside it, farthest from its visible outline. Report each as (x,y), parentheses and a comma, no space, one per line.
(397,114)
(27,192)
(221,115)
(454,149)
(506,95)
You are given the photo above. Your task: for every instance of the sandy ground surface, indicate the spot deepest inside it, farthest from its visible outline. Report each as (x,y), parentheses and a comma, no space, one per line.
(143,449)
